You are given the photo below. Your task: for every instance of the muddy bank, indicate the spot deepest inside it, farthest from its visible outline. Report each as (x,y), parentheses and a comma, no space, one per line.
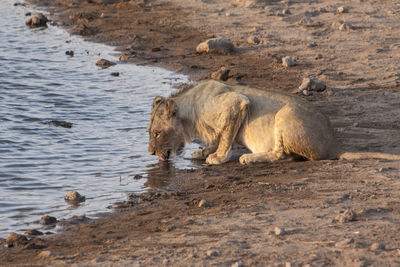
(333,213)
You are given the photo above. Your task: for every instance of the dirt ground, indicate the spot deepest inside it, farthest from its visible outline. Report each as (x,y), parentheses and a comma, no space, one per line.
(288,213)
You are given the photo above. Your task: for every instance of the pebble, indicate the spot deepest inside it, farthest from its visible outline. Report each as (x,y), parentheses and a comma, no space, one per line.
(14,239)
(47,220)
(342,9)
(221,74)
(253,40)
(37,20)
(204,203)
(74,196)
(312,84)
(212,253)
(104,63)
(279,231)
(33,233)
(377,246)
(288,61)
(286,12)
(289,264)
(115,74)
(346,216)
(45,254)
(238,264)
(216,45)
(344,242)
(345,27)
(69,53)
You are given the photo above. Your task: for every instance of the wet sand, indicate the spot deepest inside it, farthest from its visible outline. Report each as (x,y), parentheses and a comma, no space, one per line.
(288,213)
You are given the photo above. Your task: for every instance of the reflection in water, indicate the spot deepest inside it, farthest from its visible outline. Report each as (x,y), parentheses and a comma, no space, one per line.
(160,174)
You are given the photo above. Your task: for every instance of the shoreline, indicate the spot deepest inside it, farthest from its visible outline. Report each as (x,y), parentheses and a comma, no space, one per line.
(286,213)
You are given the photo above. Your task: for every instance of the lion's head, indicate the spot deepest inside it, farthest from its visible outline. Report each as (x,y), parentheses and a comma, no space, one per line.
(165,129)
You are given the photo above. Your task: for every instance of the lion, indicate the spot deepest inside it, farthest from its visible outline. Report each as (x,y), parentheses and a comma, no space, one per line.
(270,124)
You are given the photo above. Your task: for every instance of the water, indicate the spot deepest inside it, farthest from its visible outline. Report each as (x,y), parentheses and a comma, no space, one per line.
(105,148)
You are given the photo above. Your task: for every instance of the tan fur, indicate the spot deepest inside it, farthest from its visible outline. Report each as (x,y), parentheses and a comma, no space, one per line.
(270,124)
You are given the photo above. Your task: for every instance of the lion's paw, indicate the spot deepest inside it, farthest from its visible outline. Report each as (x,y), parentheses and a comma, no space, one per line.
(198,154)
(215,159)
(246,159)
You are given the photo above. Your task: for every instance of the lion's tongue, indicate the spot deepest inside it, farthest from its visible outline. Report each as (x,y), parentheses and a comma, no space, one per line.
(162,159)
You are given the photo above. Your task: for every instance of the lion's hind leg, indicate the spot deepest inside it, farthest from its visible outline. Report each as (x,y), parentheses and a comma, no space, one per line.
(275,154)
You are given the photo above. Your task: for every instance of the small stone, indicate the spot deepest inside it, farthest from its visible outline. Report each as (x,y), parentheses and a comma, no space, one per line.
(47,220)
(279,231)
(98,260)
(288,61)
(342,9)
(312,84)
(204,204)
(238,264)
(313,44)
(289,264)
(345,27)
(305,92)
(344,242)
(216,45)
(212,253)
(253,40)
(74,196)
(33,233)
(14,240)
(318,56)
(222,74)
(115,74)
(377,246)
(45,254)
(286,12)
(380,170)
(69,53)
(346,216)
(38,20)
(104,63)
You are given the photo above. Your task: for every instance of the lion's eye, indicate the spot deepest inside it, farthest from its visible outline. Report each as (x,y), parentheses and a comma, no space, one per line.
(156,135)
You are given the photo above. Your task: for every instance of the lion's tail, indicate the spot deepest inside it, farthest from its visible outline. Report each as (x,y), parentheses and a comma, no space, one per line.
(368,155)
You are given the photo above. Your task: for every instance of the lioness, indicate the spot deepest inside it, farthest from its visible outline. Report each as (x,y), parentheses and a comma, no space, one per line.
(270,124)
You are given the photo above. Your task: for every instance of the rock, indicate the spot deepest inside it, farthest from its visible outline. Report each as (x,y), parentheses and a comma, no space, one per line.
(345,27)
(222,74)
(289,264)
(279,231)
(63,124)
(33,233)
(48,220)
(37,20)
(204,204)
(312,84)
(342,9)
(342,26)
(82,29)
(104,63)
(15,240)
(115,74)
(344,242)
(238,264)
(69,53)
(216,45)
(346,216)
(253,40)
(74,196)
(45,254)
(126,57)
(286,12)
(377,246)
(288,61)
(212,253)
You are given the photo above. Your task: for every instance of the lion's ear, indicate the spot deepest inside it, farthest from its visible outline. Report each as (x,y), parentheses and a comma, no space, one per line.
(157,100)
(171,108)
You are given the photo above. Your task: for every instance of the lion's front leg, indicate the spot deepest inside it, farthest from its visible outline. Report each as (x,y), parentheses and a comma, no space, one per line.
(228,120)
(202,154)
